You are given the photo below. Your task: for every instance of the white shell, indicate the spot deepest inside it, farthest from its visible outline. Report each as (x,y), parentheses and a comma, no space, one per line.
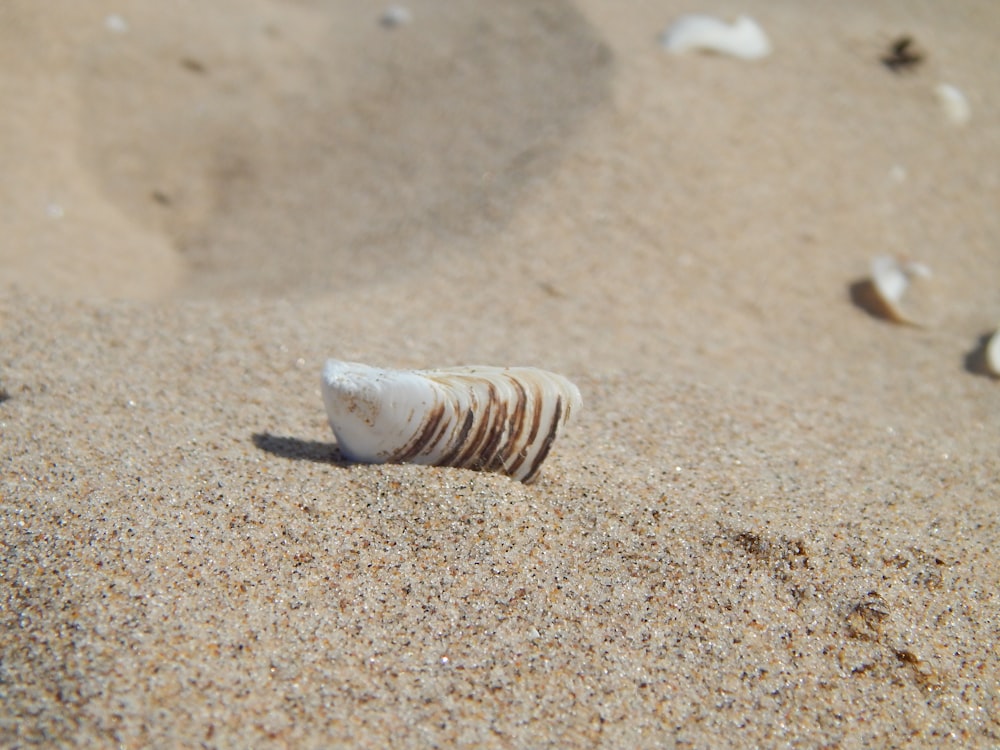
(743,39)
(953,102)
(890,279)
(992,354)
(396,15)
(502,419)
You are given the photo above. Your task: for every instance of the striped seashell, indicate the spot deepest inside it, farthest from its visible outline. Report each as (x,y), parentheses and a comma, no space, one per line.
(501,419)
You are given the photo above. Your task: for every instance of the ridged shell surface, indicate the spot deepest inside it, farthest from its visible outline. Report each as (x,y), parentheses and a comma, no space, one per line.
(501,419)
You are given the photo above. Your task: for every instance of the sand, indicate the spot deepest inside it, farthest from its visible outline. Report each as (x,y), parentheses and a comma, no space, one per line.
(774,523)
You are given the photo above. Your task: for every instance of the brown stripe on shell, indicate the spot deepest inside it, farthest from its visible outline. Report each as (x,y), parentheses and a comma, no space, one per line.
(423,437)
(536,418)
(463,451)
(516,427)
(437,437)
(475,453)
(457,441)
(550,438)
(520,404)
(495,449)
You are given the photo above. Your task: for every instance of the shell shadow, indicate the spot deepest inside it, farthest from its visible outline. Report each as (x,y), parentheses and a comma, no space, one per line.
(975,360)
(300,450)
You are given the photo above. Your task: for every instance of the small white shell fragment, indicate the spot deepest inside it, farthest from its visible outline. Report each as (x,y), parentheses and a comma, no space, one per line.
(116,23)
(890,279)
(396,15)
(744,38)
(992,354)
(953,102)
(501,419)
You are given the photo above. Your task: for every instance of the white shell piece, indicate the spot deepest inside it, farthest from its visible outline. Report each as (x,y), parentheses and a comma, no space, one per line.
(396,15)
(501,419)
(890,279)
(115,23)
(992,354)
(953,102)
(743,38)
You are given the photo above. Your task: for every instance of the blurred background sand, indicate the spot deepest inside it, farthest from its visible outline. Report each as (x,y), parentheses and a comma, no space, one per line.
(775,521)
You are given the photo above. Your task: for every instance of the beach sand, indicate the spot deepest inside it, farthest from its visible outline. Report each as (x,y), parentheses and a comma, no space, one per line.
(776,520)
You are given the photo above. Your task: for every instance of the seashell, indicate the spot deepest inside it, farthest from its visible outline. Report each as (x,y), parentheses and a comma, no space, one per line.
(115,23)
(501,419)
(984,358)
(743,38)
(954,104)
(882,294)
(992,354)
(396,15)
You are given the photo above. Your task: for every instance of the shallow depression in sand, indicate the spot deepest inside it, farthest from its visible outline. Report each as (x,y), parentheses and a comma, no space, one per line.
(314,148)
